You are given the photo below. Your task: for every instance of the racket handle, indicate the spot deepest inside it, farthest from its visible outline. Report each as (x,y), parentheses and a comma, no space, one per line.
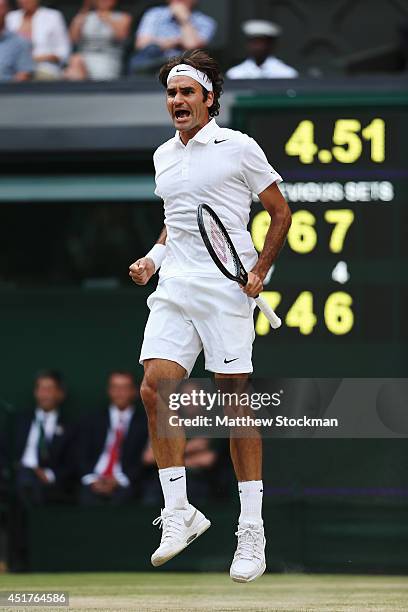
(272,317)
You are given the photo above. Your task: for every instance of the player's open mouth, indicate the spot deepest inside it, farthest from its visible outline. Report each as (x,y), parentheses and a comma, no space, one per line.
(182,114)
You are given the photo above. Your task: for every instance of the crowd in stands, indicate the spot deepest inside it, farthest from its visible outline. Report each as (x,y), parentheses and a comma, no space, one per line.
(104,458)
(101,44)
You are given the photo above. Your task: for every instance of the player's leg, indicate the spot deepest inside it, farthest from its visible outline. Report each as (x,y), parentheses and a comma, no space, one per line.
(246,455)
(181,522)
(170,348)
(227,334)
(168,451)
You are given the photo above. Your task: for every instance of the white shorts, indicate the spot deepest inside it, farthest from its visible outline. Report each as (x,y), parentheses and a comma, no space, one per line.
(195,313)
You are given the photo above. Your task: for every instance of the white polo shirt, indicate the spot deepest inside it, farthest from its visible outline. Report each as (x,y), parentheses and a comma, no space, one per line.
(220,167)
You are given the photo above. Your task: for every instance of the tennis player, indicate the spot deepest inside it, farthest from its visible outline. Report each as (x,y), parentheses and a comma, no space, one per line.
(195,307)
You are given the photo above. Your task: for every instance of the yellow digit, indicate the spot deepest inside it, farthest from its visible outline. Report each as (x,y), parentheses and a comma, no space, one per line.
(345,136)
(338,315)
(342,220)
(301,143)
(375,132)
(263,326)
(301,314)
(302,236)
(259,228)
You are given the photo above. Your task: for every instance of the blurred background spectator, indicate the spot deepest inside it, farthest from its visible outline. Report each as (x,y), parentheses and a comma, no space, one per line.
(16,63)
(44,459)
(261,63)
(45,29)
(100,33)
(44,444)
(165,31)
(112,445)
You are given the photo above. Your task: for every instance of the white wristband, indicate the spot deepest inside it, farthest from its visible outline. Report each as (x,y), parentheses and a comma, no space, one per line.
(157,254)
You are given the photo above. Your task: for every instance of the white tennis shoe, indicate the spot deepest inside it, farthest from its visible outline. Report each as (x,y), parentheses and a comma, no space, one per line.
(249,559)
(180,528)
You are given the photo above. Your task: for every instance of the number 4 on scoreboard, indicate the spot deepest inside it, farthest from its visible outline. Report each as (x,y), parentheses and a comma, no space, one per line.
(347,139)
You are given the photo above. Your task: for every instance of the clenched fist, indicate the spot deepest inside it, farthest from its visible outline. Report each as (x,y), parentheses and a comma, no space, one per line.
(142,270)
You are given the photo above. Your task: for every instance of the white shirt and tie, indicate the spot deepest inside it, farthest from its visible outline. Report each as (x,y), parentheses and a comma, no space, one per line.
(49,422)
(119,421)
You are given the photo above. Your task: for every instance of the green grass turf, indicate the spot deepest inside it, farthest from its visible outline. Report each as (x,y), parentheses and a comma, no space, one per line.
(206,592)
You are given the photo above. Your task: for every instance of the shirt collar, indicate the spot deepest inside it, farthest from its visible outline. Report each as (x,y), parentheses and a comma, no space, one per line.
(204,135)
(117,415)
(42,415)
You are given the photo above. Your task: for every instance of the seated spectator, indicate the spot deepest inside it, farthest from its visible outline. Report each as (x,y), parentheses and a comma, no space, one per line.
(44,456)
(165,31)
(16,63)
(44,445)
(112,444)
(100,36)
(262,37)
(45,29)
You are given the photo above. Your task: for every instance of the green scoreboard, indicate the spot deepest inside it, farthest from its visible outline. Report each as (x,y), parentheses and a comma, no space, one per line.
(340,283)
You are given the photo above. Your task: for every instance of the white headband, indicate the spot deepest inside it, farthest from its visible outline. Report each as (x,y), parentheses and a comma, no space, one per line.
(193,73)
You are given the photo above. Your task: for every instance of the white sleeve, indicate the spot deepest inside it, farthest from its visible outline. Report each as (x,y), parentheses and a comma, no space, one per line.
(60,38)
(255,168)
(156,190)
(11,21)
(148,23)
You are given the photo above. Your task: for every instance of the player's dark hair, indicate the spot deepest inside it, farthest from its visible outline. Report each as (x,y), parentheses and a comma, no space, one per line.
(53,375)
(201,61)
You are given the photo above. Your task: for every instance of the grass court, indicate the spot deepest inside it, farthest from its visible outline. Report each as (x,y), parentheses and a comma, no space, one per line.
(163,591)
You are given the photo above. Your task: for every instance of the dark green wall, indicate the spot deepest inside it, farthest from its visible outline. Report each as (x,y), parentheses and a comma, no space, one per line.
(302,536)
(83,333)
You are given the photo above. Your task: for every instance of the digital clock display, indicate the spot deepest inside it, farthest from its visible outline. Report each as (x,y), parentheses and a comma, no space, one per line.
(340,284)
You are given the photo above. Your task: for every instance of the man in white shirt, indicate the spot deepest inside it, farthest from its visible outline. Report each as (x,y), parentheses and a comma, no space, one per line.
(194,306)
(44,444)
(261,37)
(45,29)
(112,444)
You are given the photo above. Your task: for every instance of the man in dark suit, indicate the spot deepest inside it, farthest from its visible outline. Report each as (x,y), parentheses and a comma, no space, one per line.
(112,445)
(43,445)
(42,449)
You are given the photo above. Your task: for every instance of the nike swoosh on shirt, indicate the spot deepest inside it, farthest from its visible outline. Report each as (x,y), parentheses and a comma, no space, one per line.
(219,141)
(190,521)
(230,360)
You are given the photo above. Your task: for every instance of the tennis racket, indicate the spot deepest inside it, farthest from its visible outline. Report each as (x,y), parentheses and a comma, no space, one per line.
(223,253)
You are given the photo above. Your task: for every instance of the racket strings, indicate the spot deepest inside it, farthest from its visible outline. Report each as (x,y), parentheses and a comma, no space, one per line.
(220,244)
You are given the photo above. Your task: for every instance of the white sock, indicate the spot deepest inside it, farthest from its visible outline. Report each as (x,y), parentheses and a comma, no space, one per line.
(173,484)
(250,495)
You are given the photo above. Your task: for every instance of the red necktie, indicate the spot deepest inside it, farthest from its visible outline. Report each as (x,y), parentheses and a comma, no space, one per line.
(114,452)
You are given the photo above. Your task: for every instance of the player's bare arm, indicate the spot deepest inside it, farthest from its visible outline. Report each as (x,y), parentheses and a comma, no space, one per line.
(279,211)
(144,268)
